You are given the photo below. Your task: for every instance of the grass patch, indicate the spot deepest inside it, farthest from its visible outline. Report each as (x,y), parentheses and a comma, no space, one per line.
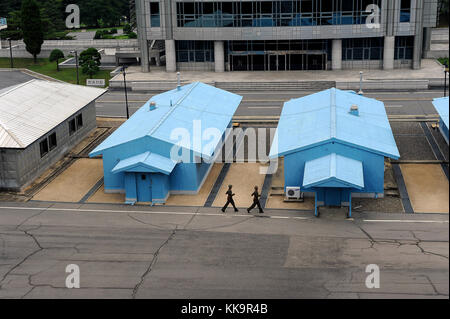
(45,67)
(443,61)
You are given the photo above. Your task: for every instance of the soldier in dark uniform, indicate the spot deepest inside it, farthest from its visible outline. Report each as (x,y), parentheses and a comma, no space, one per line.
(256,196)
(230,200)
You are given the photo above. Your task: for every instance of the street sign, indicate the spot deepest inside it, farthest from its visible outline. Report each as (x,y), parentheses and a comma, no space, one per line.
(95,82)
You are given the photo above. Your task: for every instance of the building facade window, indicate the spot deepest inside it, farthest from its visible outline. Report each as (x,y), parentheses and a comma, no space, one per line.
(270,13)
(281,55)
(404,47)
(79,121)
(72,126)
(405,11)
(195,51)
(362,49)
(52,142)
(155,17)
(43,146)
(75,123)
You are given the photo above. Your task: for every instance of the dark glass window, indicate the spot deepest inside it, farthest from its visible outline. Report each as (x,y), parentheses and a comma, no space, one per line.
(72,126)
(43,145)
(154,15)
(52,141)
(404,47)
(79,121)
(195,51)
(405,11)
(362,49)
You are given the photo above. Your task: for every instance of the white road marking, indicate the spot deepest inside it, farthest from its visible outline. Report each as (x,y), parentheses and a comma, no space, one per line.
(263,107)
(405,221)
(148,212)
(394,105)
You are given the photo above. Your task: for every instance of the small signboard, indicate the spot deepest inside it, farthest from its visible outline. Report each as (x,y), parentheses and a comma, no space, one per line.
(95,82)
(3,23)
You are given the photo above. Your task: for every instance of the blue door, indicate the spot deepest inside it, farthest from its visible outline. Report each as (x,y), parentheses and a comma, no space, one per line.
(144,187)
(333,196)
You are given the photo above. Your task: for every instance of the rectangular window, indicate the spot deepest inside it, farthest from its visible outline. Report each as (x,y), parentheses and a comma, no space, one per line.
(154,15)
(405,11)
(52,141)
(43,145)
(72,126)
(79,121)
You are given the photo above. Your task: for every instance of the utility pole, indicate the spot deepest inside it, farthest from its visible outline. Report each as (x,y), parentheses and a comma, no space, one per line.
(125,88)
(11,54)
(445,79)
(76,65)
(360,82)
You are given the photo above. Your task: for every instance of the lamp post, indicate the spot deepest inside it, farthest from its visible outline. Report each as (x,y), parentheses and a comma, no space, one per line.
(10,53)
(76,65)
(125,88)
(360,82)
(445,79)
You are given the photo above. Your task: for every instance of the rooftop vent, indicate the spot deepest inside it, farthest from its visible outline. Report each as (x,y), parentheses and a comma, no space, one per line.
(178,81)
(354,110)
(152,106)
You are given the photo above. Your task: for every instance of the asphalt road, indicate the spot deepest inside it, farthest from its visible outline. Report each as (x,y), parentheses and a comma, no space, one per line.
(112,104)
(163,252)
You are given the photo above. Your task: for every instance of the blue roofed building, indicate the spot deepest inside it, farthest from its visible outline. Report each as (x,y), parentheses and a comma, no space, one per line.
(334,143)
(441,106)
(169,144)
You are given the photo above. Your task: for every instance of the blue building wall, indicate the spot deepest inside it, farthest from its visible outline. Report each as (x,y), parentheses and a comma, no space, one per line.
(373,165)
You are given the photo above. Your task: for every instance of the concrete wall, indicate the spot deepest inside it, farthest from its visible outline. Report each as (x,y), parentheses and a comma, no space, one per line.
(66,46)
(20,167)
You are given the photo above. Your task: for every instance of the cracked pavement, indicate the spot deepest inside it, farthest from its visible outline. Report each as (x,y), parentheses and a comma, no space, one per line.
(168,252)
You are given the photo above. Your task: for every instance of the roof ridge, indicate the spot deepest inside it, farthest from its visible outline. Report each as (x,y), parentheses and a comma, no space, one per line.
(172,109)
(332,113)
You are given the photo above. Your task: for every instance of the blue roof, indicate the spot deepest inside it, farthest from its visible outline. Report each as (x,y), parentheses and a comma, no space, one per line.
(441,106)
(324,116)
(333,171)
(178,109)
(146,162)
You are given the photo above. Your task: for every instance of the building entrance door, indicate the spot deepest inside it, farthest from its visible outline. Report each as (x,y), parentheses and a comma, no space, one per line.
(144,187)
(333,196)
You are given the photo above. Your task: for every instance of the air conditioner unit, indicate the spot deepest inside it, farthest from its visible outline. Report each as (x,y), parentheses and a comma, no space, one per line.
(293,192)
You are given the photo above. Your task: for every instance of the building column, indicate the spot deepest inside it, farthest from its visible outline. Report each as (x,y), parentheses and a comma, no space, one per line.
(388,53)
(219,56)
(336,54)
(142,35)
(171,61)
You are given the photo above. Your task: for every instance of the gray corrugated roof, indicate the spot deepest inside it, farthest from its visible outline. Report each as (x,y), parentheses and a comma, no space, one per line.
(32,109)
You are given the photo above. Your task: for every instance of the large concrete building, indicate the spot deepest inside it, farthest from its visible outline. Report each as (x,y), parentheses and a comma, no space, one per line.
(280,35)
(40,121)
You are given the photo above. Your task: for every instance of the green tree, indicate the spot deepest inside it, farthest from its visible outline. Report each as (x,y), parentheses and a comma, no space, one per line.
(90,61)
(33,36)
(56,55)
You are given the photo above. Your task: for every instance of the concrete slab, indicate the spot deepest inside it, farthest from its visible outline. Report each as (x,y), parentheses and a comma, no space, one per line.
(427,187)
(279,203)
(243,177)
(101,197)
(198,199)
(428,70)
(74,182)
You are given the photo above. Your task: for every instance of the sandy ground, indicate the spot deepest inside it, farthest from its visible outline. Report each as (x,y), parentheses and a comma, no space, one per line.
(101,197)
(427,187)
(278,202)
(200,198)
(74,182)
(243,177)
